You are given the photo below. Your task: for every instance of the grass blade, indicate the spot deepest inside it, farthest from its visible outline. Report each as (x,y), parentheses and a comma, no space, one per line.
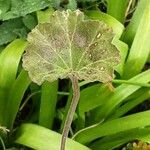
(114,126)
(117,9)
(40,138)
(131,29)
(9,61)
(90,98)
(140,50)
(15,97)
(113,141)
(132,103)
(120,94)
(48,104)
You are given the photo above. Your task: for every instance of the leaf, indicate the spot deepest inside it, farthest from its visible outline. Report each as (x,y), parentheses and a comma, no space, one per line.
(115,140)
(9,62)
(120,94)
(22,8)
(91,98)
(131,29)
(111,21)
(40,138)
(117,9)
(4,6)
(70,45)
(72,5)
(48,104)
(144,94)
(56,4)
(29,21)
(49,91)
(43,16)
(83,1)
(138,120)
(139,51)
(1,47)
(117,29)
(14,98)
(10,30)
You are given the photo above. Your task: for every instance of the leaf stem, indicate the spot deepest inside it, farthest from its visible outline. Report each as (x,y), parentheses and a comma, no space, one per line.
(69,100)
(69,118)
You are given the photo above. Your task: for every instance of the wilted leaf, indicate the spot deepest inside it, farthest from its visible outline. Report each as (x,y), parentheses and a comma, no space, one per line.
(70,45)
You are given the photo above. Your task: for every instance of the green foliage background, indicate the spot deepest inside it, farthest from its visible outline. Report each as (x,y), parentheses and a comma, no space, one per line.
(105,119)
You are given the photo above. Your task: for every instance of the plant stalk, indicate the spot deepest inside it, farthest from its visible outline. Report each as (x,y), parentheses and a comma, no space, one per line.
(69,118)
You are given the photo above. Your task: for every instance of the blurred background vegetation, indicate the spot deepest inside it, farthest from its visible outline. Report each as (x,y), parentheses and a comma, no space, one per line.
(32,116)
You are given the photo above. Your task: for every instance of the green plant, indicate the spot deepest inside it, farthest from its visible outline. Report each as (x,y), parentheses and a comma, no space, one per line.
(115,113)
(69,46)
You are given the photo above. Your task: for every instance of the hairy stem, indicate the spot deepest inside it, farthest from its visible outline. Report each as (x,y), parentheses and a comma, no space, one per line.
(69,118)
(69,100)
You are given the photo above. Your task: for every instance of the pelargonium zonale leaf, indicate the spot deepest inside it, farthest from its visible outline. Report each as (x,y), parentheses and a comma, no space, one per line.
(70,45)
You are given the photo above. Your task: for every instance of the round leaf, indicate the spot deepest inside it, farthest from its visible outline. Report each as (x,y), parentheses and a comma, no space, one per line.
(70,45)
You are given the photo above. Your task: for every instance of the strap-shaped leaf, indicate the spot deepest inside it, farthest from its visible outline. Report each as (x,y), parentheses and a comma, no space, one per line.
(70,45)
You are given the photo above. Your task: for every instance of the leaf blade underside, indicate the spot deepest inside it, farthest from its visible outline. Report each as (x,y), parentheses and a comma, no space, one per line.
(69,45)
